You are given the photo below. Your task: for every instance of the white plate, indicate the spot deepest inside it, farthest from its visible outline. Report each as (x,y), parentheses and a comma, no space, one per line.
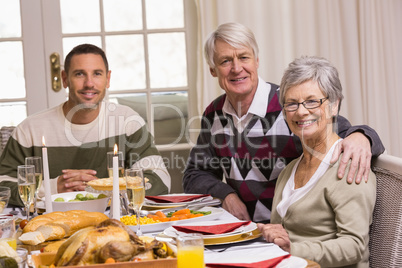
(157,227)
(149,203)
(172,232)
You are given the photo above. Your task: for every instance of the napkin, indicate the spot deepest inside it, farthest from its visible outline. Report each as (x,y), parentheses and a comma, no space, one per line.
(271,263)
(211,229)
(175,198)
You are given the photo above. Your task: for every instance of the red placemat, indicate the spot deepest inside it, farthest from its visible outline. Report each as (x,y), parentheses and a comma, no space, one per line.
(271,263)
(211,229)
(175,198)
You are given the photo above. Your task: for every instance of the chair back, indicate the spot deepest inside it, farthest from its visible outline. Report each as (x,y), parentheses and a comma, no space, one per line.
(5,133)
(386,230)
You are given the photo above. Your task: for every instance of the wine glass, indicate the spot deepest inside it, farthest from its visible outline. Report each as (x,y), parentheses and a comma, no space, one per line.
(37,162)
(26,185)
(135,188)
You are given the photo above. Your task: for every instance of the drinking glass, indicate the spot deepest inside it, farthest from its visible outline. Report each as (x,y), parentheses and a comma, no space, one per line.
(7,231)
(26,185)
(190,251)
(110,156)
(5,193)
(37,162)
(135,188)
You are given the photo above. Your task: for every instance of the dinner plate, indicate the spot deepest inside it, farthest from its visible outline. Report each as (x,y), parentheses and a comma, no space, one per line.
(156,205)
(172,232)
(157,227)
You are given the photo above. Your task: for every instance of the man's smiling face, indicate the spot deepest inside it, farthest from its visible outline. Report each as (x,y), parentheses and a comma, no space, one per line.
(87,80)
(236,70)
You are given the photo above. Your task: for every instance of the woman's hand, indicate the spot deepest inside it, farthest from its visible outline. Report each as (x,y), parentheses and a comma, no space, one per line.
(74,180)
(275,233)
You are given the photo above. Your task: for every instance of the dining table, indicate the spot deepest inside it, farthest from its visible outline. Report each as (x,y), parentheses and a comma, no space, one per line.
(252,250)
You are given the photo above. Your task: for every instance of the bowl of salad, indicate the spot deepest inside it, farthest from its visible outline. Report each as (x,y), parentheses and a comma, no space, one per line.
(83,200)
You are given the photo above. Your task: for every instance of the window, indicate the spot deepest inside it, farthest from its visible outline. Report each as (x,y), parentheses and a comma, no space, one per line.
(149,44)
(145,42)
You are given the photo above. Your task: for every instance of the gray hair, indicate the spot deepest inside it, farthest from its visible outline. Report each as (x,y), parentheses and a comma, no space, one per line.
(316,69)
(235,34)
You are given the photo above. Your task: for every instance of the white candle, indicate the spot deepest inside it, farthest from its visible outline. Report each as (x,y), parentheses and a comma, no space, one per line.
(46,179)
(115,196)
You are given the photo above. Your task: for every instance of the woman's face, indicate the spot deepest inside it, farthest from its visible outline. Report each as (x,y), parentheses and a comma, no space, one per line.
(310,125)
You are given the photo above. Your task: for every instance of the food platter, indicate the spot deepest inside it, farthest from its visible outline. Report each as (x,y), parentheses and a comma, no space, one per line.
(157,227)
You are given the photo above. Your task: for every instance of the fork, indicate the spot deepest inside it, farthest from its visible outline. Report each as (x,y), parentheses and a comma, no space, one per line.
(239,247)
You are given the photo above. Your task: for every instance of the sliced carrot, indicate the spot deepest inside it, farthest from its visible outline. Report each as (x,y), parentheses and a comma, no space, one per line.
(110,260)
(182,211)
(160,214)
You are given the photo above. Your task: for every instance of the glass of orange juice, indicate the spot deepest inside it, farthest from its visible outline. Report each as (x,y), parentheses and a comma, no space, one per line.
(190,251)
(7,231)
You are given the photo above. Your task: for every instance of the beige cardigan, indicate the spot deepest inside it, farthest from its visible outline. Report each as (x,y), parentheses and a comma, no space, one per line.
(330,224)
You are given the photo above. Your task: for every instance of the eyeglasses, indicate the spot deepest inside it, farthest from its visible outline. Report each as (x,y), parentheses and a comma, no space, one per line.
(308,104)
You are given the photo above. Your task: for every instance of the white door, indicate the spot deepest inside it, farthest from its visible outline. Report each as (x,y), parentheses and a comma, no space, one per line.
(148,44)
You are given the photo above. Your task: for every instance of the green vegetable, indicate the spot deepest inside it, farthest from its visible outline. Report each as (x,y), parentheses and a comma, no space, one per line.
(79,196)
(8,262)
(59,199)
(200,212)
(170,214)
(102,196)
(90,196)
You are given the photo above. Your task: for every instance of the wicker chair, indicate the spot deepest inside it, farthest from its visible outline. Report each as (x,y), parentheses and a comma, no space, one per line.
(386,230)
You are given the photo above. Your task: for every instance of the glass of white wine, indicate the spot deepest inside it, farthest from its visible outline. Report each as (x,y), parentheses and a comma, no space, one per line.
(26,185)
(135,187)
(37,162)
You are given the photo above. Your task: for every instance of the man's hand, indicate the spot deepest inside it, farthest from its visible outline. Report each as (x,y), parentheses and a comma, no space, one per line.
(236,207)
(74,180)
(275,233)
(357,147)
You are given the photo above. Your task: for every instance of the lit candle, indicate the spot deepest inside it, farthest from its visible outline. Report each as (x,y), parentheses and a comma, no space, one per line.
(46,179)
(115,196)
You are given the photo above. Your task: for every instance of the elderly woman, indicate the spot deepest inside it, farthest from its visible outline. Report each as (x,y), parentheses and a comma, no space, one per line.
(316,215)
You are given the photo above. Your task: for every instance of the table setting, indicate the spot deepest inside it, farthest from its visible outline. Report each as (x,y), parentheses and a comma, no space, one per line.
(173,229)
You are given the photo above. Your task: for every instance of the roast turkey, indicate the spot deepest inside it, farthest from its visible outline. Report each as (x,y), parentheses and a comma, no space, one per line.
(110,238)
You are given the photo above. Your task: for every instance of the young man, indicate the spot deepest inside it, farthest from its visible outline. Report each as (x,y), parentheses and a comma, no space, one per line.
(80,132)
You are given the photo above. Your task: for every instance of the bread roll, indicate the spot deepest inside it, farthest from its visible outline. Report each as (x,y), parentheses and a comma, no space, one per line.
(52,232)
(58,225)
(34,224)
(32,238)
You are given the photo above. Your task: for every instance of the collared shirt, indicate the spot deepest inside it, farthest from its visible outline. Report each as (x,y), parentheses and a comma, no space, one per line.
(258,106)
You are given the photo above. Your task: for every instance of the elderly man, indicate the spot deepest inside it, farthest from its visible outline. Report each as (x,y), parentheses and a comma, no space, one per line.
(80,132)
(244,137)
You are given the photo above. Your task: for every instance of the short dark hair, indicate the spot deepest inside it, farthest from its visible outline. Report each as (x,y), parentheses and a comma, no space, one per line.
(85,49)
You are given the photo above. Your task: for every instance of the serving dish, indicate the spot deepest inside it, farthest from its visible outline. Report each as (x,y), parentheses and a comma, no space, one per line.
(96,205)
(157,227)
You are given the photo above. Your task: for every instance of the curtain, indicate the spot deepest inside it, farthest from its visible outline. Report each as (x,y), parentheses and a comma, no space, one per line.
(362,38)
